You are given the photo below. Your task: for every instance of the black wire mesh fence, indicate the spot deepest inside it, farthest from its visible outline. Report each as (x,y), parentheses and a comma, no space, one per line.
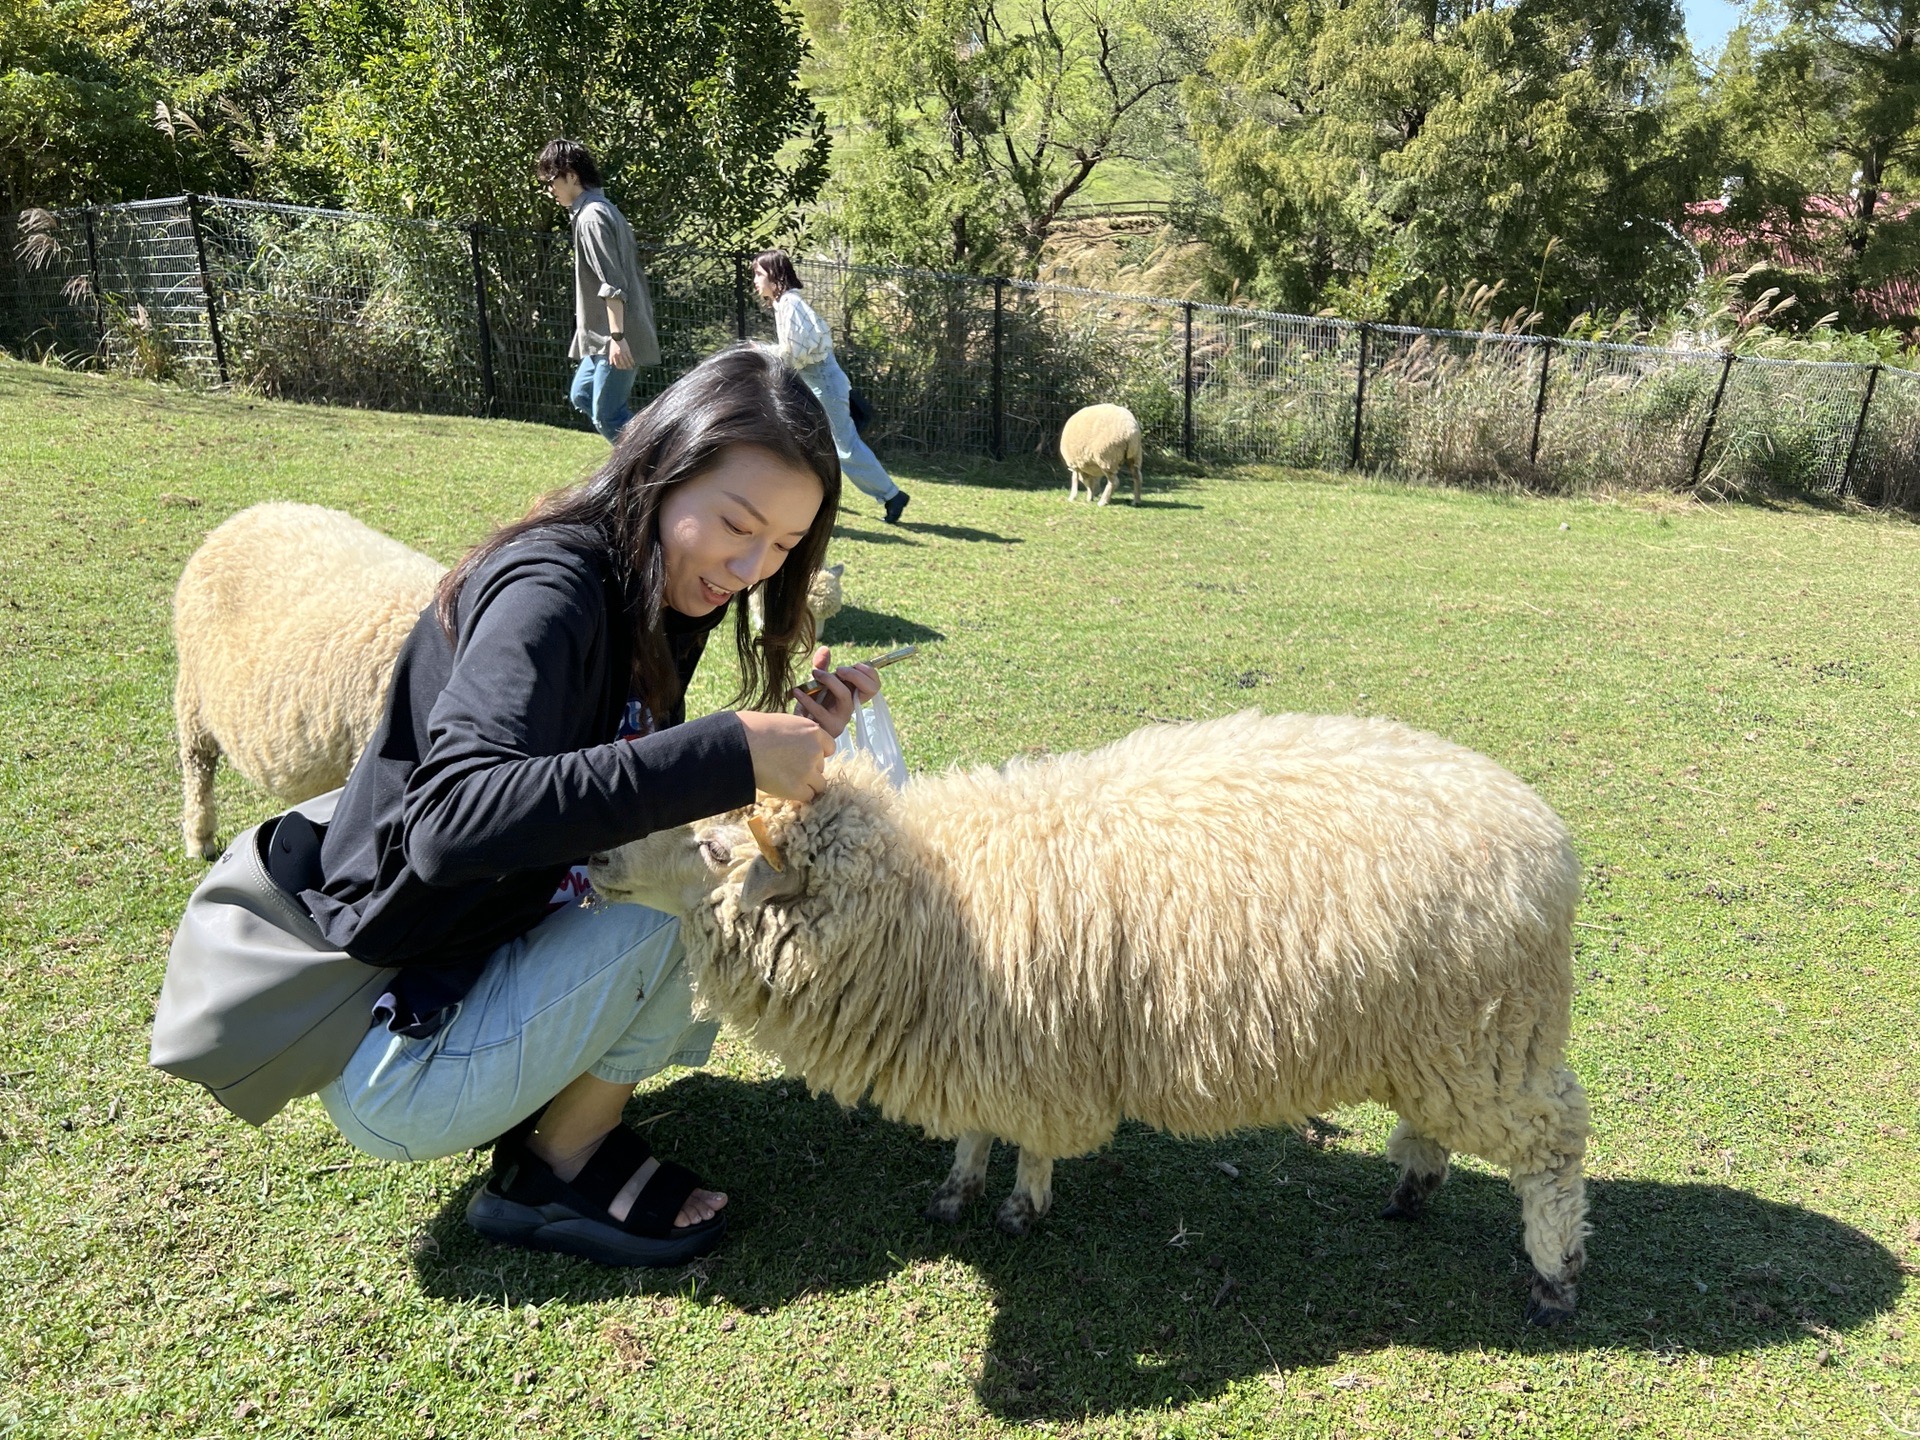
(366,310)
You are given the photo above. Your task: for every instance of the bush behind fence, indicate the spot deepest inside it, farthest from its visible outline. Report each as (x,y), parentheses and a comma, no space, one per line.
(367,310)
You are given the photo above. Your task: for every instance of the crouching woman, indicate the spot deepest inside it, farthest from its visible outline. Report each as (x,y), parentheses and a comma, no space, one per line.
(536,716)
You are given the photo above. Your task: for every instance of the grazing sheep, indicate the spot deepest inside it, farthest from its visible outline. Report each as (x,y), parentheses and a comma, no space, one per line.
(1239,922)
(286,622)
(823,599)
(1096,443)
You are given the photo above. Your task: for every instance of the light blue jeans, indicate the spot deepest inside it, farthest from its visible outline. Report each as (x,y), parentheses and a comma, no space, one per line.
(858,463)
(600,392)
(603,991)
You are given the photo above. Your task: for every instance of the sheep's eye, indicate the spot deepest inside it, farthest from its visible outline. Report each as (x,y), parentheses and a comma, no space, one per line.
(716,853)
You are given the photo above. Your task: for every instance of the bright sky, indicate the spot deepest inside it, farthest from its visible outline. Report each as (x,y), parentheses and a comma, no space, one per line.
(1708,22)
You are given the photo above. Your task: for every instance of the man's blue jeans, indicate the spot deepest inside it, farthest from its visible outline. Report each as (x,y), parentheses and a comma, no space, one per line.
(600,393)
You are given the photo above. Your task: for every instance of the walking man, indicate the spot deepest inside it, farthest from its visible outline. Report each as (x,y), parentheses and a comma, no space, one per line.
(612,317)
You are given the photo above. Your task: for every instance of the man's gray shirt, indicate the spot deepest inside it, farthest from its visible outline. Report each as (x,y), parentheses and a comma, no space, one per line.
(606,266)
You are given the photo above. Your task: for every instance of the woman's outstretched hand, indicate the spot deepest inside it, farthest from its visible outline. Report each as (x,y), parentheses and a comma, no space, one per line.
(840,691)
(789,754)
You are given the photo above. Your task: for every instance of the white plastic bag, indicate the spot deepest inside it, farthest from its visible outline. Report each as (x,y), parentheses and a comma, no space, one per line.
(872,731)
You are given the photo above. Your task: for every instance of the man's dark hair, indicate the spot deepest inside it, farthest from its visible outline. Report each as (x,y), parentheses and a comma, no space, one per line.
(745,395)
(777,266)
(567,157)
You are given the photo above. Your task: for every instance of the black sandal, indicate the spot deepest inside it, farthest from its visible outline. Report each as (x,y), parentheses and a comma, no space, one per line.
(525,1203)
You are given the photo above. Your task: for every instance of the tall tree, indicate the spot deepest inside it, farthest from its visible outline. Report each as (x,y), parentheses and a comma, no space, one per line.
(975,123)
(1824,96)
(692,106)
(77,106)
(1367,153)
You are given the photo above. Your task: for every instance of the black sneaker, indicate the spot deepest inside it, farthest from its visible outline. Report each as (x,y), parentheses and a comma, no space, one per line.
(896,505)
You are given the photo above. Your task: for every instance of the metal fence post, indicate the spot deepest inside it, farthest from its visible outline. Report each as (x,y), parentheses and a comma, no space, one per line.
(999,367)
(206,286)
(739,296)
(1713,413)
(1359,398)
(1859,429)
(1540,400)
(1186,389)
(93,271)
(489,399)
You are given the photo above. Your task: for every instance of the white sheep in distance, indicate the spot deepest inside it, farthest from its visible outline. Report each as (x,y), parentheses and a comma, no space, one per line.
(286,623)
(824,599)
(1238,922)
(1096,443)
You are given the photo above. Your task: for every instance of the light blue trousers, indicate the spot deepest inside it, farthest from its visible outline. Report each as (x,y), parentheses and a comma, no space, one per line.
(858,463)
(602,991)
(601,392)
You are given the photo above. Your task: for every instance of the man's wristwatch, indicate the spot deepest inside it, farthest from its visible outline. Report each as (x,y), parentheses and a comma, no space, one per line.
(616,334)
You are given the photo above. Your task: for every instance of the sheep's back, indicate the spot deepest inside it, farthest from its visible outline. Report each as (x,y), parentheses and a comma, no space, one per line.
(287,621)
(1199,911)
(1100,437)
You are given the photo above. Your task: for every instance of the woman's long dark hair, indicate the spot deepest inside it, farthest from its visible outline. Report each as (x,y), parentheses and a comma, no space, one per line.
(742,396)
(777,266)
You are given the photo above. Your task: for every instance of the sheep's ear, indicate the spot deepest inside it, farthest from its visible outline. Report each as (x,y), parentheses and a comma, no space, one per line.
(764,884)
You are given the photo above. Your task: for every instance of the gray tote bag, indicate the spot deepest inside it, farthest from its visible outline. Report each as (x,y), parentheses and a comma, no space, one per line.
(256,1005)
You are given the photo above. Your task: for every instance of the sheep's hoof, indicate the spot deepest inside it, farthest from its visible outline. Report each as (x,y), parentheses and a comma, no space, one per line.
(1409,1198)
(1549,1302)
(952,1198)
(1016,1215)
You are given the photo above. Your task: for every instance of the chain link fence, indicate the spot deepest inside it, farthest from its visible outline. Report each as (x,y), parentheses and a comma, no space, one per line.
(350,309)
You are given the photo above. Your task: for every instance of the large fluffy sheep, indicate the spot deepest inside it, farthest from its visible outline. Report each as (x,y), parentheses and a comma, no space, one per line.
(1097,443)
(1240,922)
(286,622)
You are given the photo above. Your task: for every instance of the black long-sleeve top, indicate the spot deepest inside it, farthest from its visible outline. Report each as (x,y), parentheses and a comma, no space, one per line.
(496,767)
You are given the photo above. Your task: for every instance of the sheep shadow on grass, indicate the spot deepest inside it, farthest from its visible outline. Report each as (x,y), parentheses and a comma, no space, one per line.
(1160,1278)
(852,625)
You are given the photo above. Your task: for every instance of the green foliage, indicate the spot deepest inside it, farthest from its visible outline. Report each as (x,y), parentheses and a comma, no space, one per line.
(438,108)
(1373,152)
(76,108)
(977,121)
(1822,98)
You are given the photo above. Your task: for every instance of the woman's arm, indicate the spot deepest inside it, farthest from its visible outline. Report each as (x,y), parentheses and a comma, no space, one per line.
(510,780)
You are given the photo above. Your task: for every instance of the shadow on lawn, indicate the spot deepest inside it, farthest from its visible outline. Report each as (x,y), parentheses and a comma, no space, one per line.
(851,625)
(1159,1279)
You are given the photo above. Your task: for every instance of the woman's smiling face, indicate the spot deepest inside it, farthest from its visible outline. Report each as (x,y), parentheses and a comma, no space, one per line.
(733,526)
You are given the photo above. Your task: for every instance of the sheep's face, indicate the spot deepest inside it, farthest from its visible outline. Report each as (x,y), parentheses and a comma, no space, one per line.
(765,920)
(674,870)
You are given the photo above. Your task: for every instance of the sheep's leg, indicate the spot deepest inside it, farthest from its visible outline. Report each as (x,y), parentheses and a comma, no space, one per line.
(1106,494)
(1423,1167)
(1032,1194)
(965,1182)
(1553,1202)
(199,753)
(1136,479)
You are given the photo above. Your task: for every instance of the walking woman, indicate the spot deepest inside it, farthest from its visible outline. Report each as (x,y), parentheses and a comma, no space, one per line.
(537,716)
(807,345)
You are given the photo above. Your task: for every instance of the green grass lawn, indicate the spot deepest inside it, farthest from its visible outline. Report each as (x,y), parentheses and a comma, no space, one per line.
(1721,702)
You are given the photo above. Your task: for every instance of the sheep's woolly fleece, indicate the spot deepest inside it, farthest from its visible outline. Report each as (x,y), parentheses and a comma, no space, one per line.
(1207,926)
(1202,927)
(1097,443)
(287,621)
